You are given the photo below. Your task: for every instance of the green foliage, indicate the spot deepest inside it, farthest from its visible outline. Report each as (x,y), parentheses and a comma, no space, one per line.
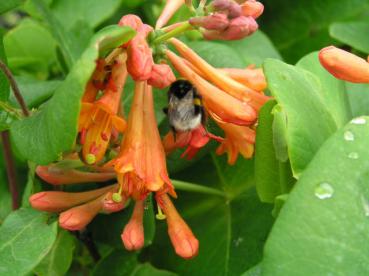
(26,236)
(321,229)
(354,34)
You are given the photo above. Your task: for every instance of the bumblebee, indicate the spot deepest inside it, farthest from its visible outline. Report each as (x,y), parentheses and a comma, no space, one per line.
(185,110)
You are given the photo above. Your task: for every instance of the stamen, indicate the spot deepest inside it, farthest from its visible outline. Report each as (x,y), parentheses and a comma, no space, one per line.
(104,136)
(117,197)
(90,158)
(160,215)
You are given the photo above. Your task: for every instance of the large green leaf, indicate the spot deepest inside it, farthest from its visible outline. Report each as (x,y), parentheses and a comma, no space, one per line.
(44,136)
(9,4)
(5,197)
(354,34)
(25,238)
(124,263)
(299,27)
(322,229)
(358,94)
(309,121)
(30,46)
(4,84)
(59,258)
(94,12)
(231,228)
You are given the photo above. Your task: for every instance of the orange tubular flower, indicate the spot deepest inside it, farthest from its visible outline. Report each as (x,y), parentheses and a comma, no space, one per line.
(59,176)
(252,8)
(133,233)
(98,119)
(252,78)
(224,82)
(140,165)
(224,106)
(238,139)
(183,240)
(171,6)
(344,65)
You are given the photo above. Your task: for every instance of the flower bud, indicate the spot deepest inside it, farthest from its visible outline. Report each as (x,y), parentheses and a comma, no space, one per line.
(140,60)
(252,8)
(133,233)
(131,20)
(344,65)
(110,205)
(217,21)
(161,76)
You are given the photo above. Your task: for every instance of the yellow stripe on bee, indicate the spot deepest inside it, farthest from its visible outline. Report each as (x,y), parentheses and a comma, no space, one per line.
(197,102)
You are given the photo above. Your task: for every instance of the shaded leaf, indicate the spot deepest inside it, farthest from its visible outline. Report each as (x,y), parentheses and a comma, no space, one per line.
(329,236)
(4,84)
(9,5)
(25,238)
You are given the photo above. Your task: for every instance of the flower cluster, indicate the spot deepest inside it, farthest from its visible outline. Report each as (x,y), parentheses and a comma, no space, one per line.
(129,151)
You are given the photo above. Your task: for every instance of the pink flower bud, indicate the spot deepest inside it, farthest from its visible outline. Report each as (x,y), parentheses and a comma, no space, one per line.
(252,8)
(238,28)
(161,76)
(228,7)
(133,233)
(140,61)
(217,21)
(131,20)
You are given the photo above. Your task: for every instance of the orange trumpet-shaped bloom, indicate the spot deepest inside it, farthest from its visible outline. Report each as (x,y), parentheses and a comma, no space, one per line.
(238,139)
(221,80)
(95,83)
(252,8)
(133,233)
(183,240)
(55,201)
(140,165)
(251,77)
(58,176)
(171,6)
(98,119)
(227,108)
(344,65)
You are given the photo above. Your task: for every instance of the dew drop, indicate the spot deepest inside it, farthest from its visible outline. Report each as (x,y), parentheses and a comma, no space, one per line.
(324,190)
(359,121)
(365,206)
(353,155)
(348,136)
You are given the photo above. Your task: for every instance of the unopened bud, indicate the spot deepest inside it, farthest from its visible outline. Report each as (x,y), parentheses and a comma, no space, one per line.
(161,76)
(217,21)
(252,8)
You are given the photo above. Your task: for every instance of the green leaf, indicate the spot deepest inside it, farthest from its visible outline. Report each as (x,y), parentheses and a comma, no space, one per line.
(4,84)
(322,228)
(94,12)
(123,263)
(41,138)
(332,91)
(300,95)
(358,94)
(354,34)
(5,197)
(9,5)
(300,27)
(25,238)
(59,258)
(272,177)
(231,229)
(30,46)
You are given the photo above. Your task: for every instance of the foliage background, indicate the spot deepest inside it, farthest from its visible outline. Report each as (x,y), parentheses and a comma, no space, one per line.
(300,138)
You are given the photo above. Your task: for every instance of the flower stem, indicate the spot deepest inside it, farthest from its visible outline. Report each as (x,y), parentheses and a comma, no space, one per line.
(10,169)
(185,186)
(15,88)
(175,32)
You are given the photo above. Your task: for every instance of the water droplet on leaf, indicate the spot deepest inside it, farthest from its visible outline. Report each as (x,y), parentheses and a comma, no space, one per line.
(353,155)
(324,190)
(365,205)
(348,136)
(359,121)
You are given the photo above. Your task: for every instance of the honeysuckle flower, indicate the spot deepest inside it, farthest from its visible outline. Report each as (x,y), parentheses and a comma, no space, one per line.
(171,6)
(217,21)
(96,82)
(133,233)
(183,240)
(238,28)
(251,77)
(252,8)
(220,79)
(140,60)
(226,107)
(55,201)
(98,119)
(238,139)
(161,76)
(140,165)
(194,140)
(344,65)
(228,7)
(58,176)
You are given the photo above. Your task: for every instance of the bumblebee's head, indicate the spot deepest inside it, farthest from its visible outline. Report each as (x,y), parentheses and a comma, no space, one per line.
(180,88)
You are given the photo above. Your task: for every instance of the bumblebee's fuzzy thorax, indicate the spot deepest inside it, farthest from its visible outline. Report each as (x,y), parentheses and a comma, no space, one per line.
(185,111)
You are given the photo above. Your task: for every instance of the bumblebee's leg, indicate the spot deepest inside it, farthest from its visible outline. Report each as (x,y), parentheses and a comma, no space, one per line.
(174,132)
(165,110)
